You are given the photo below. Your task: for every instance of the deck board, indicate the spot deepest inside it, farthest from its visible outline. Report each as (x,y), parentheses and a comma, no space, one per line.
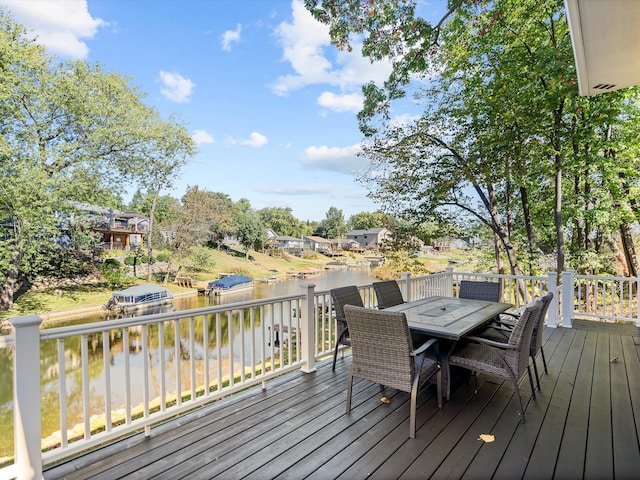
(583,423)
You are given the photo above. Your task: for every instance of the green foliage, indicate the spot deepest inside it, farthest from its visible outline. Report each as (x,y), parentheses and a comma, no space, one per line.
(69,131)
(250,231)
(333,226)
(282,222)
(164,257)
(115,274)
(201,259)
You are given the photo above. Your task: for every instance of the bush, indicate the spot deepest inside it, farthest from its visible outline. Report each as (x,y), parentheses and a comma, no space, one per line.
(164,257)
(115,273)
(201,258)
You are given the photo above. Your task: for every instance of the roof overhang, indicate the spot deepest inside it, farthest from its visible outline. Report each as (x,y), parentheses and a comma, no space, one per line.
(606,43)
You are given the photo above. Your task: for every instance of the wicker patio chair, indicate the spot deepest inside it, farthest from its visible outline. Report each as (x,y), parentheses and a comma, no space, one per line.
(476,290)
(501,331)
(388,294)
(506,360)
(340,297)
(382,352)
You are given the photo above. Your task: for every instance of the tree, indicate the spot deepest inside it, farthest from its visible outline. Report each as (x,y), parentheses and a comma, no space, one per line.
(333,225)
(222,225)
(166,149)
(502,120)
(63,125)
(368,220)
(250,231)
(282,221)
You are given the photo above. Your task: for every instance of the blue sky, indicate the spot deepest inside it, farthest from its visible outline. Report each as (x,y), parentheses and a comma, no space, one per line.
(270,103)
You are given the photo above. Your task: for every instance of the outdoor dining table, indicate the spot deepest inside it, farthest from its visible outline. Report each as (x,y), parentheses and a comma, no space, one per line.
(449,319)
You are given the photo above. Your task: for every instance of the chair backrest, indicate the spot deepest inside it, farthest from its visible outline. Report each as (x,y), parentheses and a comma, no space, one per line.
(388,294)
(381,347)
(520,338)
(476,290)
(536,335)
(342,296)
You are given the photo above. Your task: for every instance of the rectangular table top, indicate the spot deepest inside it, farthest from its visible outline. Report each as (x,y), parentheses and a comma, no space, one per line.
(448,317)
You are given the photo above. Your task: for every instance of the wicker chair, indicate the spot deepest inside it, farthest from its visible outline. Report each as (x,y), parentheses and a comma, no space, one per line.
(388,294)
(506,360)
(501,331)
(475,290)
(382,352)
(340,297)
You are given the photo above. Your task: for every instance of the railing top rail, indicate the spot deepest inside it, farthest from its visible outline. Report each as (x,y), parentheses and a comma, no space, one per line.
(105,325)
(601,277)
(502,275)
(7,341)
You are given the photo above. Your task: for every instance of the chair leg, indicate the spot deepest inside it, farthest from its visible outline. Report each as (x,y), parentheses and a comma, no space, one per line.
(533,389)
(335,354)
(414,401)
(349,384)
(544,360)
(520,406)
(439,388)
(535,369)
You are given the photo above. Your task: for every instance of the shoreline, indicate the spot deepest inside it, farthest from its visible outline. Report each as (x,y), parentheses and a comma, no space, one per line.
(79,312)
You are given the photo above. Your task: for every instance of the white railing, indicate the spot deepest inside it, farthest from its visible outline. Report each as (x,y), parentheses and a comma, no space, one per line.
(174,362)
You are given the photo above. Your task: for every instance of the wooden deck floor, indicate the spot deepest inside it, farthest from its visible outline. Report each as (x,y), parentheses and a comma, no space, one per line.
(584,423)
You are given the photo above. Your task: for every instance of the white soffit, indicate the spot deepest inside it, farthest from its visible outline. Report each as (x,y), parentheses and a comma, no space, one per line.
(606,43)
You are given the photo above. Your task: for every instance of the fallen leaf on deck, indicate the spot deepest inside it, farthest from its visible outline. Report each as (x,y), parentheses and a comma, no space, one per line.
(613,360)
(385,400)
(487,438)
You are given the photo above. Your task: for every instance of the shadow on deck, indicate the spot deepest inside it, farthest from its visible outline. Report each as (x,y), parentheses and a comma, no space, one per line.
(585,422)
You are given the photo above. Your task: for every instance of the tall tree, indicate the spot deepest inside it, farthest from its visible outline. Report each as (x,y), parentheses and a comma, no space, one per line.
(167,148)
(63,124)
(250,231)
(334,225)
(502,115)
(282,221)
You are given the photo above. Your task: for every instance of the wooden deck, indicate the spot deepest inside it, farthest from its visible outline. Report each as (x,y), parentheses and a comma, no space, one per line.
(585,423)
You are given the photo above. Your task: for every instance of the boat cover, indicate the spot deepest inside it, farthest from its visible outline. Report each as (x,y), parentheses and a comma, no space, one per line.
(229,282)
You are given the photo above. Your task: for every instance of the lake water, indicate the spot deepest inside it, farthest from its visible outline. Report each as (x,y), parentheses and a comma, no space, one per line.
(49,361)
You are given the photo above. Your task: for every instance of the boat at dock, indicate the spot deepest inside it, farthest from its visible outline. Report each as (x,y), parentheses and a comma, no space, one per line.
(229,284)
(138,297)
(309,272)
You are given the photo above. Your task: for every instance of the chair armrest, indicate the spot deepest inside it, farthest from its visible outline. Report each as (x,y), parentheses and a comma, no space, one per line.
(432,342)
(511,314)
(491,343)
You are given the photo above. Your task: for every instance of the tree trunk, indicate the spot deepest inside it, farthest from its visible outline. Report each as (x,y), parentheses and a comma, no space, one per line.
(150,236)
(629,250)
(526,212)
(557,215)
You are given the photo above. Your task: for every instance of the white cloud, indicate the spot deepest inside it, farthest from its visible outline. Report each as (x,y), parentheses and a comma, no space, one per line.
(304,42)
(337,159)
(201,137)
(255,140)
(341,103)
(229,37)
(60,26)
(176,87)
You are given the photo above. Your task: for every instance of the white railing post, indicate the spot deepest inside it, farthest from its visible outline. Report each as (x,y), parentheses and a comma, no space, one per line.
(405,286)
(449,272)
(308,333)
(552,313)
(567,298)
(26,397)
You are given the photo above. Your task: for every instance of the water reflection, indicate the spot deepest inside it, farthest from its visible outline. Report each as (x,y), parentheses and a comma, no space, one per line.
(169,355)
